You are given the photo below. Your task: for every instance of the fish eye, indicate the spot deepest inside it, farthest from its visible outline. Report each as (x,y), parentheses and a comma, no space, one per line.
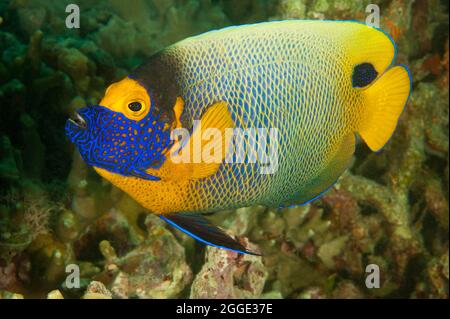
(363,75)
(135,106)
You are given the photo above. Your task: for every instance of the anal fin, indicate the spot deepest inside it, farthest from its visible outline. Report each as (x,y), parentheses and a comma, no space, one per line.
(203,230)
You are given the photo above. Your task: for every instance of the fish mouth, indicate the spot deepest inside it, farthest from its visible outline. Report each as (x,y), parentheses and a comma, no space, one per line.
(77,120)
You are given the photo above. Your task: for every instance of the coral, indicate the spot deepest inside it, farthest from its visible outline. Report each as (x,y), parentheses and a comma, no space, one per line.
(75,64)
(32,147)
(111,226)
(156,268)
(94,290)
(437,271)
(292,9)
(8,165)
(312,293)
(15,273)
(347,290)
(55,294)
(226,274)
(49,257)
(97,290)
(10,295)
(31,19)
(37,214)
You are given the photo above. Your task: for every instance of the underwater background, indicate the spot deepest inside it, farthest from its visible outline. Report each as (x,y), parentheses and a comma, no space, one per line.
(390,209)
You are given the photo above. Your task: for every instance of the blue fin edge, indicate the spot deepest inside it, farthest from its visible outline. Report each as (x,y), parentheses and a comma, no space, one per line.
(204,241)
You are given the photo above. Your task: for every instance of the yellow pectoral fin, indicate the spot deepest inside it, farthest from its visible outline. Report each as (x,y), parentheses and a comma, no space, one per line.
(201,154)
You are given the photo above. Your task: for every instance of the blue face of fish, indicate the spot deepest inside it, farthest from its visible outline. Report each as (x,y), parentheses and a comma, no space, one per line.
(110,140)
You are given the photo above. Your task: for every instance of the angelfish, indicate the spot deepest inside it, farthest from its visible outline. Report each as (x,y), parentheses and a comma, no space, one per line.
(317,83)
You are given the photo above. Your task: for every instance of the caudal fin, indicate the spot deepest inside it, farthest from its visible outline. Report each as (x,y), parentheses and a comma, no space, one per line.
(384,102)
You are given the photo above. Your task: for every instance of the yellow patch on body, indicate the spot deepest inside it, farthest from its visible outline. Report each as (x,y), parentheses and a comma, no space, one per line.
(160,197)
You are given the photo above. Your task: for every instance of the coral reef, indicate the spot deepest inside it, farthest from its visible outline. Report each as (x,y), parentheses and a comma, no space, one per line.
(390,209)
(156,268)
(226,274)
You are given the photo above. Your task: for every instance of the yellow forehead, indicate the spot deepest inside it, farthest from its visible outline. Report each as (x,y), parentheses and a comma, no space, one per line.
(118,95)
